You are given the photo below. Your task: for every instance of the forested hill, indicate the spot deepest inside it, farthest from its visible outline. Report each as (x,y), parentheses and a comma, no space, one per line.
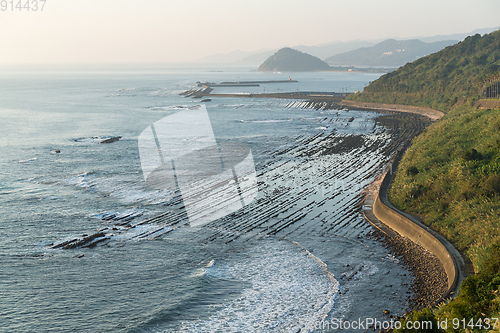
(291,60)
(443,79)
(450,175)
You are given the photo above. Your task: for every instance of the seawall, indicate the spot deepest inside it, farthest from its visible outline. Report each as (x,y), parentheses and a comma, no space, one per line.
(421,110)
(408,226)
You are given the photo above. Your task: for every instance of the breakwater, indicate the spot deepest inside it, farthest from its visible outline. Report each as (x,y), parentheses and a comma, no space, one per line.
(313,96)
(206,91)
(242,83)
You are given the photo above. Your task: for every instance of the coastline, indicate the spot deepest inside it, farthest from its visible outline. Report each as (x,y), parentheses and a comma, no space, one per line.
(408,237)
(420,110)
(403,234)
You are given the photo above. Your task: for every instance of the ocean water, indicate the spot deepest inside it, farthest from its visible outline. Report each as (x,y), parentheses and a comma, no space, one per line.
(295,257)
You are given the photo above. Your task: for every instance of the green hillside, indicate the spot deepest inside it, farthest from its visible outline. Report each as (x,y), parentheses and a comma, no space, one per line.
(450,176)
(389,53)
(440,80)
(290,60)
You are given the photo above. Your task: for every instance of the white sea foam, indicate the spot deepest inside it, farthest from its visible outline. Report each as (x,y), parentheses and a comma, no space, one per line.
(291,291)
(120,187)
(170,108)
(28,160)
(271,121)
(233,106)
(28,180)
(203,271)
(210,263)
(81,180)
(392,258)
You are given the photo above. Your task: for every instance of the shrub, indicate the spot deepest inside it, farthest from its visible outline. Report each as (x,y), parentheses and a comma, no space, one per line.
(492,185)
(412,171)
(477,292)
(416,192)
(492,265)
(420,317)
(472,155)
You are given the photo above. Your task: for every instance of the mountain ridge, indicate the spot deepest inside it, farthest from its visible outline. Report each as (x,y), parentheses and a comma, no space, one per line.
(325,50)
(389,53)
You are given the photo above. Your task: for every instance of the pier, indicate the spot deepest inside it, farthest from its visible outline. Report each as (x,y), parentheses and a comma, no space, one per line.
(205,89)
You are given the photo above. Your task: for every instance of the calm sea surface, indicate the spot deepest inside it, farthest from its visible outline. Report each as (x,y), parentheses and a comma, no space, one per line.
(294,257)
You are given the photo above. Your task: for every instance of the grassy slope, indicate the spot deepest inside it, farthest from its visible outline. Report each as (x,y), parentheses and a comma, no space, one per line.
(456,192)
(451,173)
(451,177)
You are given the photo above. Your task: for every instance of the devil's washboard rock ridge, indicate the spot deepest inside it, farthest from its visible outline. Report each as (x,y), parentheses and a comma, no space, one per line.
(288,206)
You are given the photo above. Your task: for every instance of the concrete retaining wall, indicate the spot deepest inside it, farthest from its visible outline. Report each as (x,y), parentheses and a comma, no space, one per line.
(421,110)
(409,227)
(405,224)
(488,104)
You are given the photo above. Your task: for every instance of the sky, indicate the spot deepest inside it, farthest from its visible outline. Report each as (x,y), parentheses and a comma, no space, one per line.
(158,31)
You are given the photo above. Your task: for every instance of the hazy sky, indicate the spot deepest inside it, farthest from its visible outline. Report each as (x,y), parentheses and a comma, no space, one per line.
(73,31)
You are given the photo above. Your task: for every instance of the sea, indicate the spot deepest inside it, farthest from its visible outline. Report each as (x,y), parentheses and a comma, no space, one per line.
(88,245)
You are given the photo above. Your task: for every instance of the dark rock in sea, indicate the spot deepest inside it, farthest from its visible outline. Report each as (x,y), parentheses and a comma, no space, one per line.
(206,100)
(110,140)
(290,60)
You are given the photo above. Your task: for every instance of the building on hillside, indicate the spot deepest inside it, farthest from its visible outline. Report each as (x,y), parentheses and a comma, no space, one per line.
(491,88)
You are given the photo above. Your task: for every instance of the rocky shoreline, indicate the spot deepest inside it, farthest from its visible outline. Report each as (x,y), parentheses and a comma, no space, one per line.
(430,282)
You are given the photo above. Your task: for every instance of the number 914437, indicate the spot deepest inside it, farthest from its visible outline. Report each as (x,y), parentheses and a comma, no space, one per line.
(22,5)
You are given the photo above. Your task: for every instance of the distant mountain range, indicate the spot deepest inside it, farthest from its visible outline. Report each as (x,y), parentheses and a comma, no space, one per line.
(389,53)
(443,79)
(238,56)
(323,51)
